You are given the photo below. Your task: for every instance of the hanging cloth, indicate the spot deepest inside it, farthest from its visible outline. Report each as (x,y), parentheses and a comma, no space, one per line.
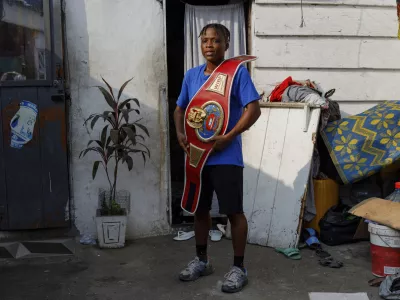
(196,17)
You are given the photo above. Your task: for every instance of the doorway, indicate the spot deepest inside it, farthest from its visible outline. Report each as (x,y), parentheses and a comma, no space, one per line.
(175,15)
(34,182)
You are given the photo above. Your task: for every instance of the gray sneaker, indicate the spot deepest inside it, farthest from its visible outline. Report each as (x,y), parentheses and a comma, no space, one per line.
(195,269)
(235,280)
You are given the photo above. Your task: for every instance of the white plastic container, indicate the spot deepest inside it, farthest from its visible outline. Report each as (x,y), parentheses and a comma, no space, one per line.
(111,230)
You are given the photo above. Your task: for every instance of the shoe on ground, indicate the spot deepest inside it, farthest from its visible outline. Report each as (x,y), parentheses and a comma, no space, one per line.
(195,269)
(235,280)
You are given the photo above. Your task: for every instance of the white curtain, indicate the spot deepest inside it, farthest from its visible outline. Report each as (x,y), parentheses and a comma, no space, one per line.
(196,17)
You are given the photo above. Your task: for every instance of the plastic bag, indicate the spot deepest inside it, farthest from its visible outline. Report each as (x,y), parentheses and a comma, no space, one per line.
(338,227)
(390,288)
(87,239)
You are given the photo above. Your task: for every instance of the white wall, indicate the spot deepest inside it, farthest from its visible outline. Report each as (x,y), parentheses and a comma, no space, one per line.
(118,40)
(349,45)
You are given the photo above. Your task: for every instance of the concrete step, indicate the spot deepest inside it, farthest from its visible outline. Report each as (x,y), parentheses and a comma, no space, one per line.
(41,248)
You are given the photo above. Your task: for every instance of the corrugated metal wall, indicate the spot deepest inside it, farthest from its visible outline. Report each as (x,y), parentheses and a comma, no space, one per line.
(350,45)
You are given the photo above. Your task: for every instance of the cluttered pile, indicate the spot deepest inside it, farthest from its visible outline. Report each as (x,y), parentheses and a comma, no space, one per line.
(363,154)
(364,151)
(305,91)
(383,218)
(308,92)
(352,194)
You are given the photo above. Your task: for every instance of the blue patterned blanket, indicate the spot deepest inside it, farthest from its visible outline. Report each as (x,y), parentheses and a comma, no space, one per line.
(361,145)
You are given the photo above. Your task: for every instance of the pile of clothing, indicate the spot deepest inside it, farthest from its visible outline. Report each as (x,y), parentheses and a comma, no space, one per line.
(309,92)
(300,91)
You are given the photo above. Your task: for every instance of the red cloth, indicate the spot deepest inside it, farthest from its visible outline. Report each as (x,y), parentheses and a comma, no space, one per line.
(276,94)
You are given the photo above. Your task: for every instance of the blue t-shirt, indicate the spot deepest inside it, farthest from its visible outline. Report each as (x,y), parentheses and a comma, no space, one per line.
(243,92)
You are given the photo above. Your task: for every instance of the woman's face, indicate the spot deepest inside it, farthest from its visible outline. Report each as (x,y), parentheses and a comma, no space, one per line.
(213,46)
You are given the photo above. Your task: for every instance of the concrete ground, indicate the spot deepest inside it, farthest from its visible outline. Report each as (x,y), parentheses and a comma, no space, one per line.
(148,269)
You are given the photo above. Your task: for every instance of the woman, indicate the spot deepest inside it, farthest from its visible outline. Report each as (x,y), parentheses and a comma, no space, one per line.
(223,172)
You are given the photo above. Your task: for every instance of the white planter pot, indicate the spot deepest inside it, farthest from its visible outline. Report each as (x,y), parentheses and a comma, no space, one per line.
(111,230)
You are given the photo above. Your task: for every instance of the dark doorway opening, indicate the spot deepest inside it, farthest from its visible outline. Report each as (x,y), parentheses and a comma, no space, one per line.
(175,14)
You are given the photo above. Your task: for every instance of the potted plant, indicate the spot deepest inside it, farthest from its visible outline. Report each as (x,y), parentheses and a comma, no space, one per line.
(120,138)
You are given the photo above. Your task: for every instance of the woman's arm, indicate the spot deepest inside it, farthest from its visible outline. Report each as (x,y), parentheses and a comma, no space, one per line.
(249,117)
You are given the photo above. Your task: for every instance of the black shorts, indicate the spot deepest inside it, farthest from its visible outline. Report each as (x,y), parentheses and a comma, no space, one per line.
(227,182)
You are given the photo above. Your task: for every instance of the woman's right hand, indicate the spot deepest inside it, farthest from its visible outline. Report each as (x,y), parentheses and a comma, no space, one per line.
(183,142)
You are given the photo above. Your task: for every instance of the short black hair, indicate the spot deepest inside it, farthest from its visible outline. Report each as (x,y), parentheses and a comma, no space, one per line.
(219,28)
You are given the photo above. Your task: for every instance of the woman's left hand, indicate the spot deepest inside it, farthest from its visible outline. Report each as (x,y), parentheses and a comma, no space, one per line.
(221,142)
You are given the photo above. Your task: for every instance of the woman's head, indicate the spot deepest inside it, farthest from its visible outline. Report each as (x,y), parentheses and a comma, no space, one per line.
(214,42)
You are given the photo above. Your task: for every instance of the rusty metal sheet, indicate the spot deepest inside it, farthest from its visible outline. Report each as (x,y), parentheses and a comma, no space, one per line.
(54,166)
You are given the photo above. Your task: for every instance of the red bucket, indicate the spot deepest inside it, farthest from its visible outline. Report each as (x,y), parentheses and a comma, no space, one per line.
(385,250)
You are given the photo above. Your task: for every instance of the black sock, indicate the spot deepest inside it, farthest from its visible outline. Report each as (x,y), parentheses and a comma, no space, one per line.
(238,261)
(201,251)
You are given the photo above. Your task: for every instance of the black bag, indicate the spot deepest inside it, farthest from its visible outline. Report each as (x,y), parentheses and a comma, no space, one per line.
(338,227)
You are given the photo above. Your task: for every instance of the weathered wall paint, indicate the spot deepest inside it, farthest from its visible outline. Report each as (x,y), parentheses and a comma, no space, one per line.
(118,40)
(347,45)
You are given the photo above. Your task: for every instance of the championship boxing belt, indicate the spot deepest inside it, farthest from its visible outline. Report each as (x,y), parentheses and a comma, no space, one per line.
(207,116)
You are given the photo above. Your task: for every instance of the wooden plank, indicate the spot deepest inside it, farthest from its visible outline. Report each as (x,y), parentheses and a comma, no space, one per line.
(292,179)
(386,3)
(326,21)
(261,214)
(286,105)
(272,193)
(351,109)
(327,53)
(354,85)
(252,155)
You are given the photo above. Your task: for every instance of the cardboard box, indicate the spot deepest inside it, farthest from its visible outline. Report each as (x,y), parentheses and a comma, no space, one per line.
(362,232)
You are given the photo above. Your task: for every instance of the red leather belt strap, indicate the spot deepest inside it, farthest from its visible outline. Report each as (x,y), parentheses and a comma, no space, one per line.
(207,116)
